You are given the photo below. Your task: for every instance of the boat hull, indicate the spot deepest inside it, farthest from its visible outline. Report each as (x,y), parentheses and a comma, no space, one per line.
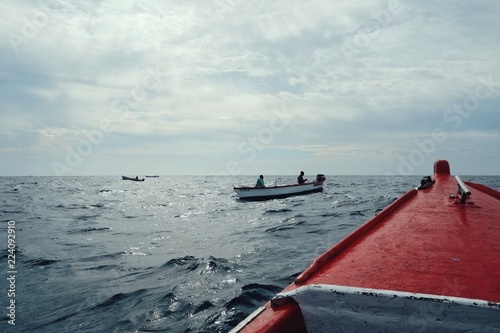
(429,262)
(277,192)
(133,179)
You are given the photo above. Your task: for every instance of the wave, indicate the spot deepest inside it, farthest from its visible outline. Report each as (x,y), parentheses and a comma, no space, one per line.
(107,256)
(275,211)
(12,212)
(252,292)
(40,262)
(86,217)
(89,230)
(283,227)
(104,268)
(188,263)
(201,265)
(238,308)
(72,206)
(98,205)
(72,317)
(120,299)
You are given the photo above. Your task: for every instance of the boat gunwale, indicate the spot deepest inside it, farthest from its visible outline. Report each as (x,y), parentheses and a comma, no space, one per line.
(284,296)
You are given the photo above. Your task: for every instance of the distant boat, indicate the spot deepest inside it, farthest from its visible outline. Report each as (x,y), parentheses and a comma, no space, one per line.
(428,262)
(136,179)
(152,176)
(279,191)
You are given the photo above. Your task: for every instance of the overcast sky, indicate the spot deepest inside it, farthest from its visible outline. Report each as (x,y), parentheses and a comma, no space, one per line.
(249,87)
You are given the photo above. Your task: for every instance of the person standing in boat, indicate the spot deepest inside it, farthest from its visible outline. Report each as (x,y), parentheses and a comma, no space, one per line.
(260,182)
(300,179)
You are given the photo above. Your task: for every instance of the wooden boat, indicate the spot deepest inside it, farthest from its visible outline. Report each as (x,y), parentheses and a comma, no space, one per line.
(428,262)
(279,191)
(137,179)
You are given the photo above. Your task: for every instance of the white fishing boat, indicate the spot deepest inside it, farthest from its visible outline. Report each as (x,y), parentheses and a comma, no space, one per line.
(279,191)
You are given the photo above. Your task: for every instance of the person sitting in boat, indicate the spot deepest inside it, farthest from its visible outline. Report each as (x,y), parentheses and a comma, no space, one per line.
(260,182)
(300,179)
(137,177)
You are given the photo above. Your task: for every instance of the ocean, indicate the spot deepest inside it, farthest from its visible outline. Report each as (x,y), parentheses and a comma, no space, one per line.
(170,254)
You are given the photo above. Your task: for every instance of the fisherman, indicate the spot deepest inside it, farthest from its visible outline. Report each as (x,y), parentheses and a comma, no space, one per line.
(260,182)
(300,179)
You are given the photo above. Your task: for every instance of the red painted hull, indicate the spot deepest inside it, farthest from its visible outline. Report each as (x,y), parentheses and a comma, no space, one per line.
(425,245)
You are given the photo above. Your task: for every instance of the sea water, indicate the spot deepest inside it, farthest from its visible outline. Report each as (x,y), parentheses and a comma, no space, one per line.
(170,254)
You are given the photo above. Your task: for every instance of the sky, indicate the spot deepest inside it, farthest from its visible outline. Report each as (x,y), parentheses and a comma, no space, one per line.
(232,87)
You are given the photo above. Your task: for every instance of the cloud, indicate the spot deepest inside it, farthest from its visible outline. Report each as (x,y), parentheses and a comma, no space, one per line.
(196,79)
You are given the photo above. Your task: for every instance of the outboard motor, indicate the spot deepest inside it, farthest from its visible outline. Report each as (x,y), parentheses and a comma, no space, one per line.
(320,177)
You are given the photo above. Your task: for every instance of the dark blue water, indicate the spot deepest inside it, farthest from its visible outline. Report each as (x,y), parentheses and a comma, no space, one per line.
(170,254)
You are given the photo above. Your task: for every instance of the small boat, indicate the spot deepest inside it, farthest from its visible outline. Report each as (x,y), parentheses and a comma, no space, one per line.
(279,191)
(428,262)
(152,176)
(136,179)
